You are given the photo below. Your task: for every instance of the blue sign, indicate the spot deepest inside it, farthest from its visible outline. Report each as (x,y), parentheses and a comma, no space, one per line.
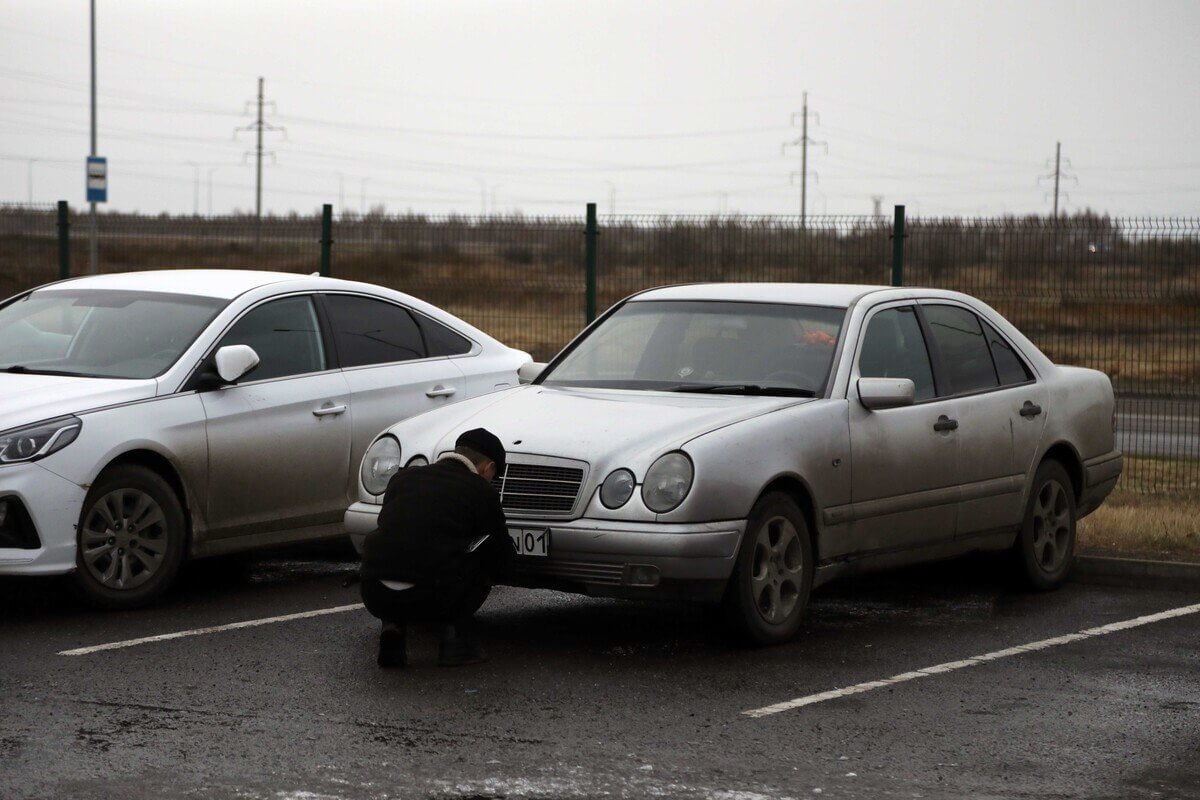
(97,179)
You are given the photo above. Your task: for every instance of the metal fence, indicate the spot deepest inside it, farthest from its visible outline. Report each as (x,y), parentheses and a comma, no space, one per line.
(1119,295)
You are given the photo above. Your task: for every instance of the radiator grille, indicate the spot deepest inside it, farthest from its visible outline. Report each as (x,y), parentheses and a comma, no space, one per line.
(539,489)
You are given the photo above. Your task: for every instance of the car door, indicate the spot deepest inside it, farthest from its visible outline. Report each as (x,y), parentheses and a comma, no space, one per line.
(279,440)
(989,483)
(386,366)
(904,460)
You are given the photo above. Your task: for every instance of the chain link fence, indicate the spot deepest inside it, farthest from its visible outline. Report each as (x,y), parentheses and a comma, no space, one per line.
(1119,295)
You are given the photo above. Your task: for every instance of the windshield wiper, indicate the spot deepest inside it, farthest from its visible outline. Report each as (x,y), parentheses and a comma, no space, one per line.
(747,388)
(20,369)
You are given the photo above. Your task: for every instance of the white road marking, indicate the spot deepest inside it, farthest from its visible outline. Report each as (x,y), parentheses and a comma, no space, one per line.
(973,661)
(250,623)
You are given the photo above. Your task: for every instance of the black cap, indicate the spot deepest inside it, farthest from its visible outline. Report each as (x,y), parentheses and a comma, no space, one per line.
(485,443)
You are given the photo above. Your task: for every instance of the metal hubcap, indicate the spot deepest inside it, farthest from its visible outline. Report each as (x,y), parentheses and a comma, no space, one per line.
(778,569)
(1052,526)
(124,539)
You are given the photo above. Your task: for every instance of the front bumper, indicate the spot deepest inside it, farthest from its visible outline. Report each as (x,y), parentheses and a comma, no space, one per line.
(53,504)
(615,559)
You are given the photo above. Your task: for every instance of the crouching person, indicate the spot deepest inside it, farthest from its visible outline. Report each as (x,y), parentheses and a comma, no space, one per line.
(440,543)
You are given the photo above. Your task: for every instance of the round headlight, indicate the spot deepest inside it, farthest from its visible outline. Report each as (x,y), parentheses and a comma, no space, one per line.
(381,462)
(617,488)
(667,482)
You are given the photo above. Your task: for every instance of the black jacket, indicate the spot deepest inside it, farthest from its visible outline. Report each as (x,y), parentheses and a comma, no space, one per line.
(431,516)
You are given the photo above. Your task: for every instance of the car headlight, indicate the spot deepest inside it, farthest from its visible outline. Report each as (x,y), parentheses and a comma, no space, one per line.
(668,481)
(38,441)
(617,488)
(381,462)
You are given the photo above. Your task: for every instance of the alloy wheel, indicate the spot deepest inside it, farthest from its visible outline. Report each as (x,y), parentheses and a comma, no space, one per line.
(124,538)
(1051,526)
(777,569)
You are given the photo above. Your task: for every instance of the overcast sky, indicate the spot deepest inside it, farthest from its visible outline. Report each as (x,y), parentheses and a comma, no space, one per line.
(644,106)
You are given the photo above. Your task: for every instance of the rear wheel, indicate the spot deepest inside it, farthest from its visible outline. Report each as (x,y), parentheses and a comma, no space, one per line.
(772,578)
(1045,549)
(130,538)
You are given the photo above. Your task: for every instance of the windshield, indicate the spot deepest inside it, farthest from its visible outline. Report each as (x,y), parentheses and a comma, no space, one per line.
(718,347)
(100,334)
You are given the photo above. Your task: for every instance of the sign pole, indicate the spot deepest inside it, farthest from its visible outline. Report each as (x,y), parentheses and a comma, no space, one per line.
(92,254)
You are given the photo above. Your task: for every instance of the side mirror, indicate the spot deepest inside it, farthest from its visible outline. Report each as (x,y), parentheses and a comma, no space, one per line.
(234,361)
(528,371)
(879,393)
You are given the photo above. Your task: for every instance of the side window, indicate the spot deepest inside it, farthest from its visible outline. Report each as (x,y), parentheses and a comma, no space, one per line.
(372,331)
(441,340)
(893,347)
(1008,364)
(964,349)
(285,335)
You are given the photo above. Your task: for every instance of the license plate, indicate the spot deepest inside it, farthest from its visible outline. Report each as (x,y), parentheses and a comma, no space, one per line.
(530,541)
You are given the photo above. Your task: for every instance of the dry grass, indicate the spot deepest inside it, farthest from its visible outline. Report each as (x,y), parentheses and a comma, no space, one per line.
(1143,525)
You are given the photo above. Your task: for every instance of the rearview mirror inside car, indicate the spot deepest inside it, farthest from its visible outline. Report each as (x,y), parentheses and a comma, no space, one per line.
(878,393)
(234,361)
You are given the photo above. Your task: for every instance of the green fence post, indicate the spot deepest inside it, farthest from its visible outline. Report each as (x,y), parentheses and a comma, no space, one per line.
(898,236)
(326,238)
(591,233)
(64,241)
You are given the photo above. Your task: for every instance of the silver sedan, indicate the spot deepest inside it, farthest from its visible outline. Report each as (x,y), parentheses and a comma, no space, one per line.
(146,417)
(743,443)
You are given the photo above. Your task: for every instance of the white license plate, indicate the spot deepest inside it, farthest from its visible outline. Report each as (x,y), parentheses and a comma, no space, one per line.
(530,541)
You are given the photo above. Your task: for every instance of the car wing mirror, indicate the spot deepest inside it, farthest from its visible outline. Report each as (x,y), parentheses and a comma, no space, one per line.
(878,393)
(529,371)
(234,361)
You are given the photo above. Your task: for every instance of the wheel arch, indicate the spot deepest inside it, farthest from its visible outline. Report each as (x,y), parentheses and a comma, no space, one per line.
(162,466)
(794,487)
(1065,454)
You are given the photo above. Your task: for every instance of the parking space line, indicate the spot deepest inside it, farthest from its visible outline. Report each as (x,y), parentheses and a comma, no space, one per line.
(973,661)
(250,623)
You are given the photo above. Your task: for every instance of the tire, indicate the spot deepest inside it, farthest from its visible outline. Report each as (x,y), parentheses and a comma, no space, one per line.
(1045,549)
(130,540)
(773,574)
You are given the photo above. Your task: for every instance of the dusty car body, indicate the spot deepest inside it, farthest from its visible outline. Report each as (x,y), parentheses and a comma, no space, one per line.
(147,417)
(933,428)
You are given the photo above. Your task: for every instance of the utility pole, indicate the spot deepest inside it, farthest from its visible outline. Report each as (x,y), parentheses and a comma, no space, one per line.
(803,142)
(1059,174)
(877,201)
(258,127)
(31,162)
(195,188)
(211,170)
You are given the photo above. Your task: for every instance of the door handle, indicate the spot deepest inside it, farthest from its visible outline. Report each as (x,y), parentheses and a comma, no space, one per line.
(326,411)
(441,391)
(944,423)
(1030,409)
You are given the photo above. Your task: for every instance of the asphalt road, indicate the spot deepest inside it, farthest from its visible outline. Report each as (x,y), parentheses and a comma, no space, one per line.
(1159,428)
(595,698)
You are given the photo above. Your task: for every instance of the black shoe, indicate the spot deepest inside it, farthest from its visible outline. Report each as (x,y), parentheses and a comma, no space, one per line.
(393,651)
(459,651)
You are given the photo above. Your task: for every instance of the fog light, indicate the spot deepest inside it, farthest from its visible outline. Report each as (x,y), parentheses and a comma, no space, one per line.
(640,575)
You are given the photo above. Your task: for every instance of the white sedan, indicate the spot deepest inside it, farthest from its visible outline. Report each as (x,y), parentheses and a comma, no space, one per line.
(743,443)
(147,417)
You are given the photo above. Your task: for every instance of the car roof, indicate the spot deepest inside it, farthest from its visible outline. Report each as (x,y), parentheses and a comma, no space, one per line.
(221,283)
(839,295)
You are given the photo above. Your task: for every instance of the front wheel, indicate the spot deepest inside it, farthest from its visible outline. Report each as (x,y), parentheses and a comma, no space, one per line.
(130,539)
(1045,549)
(773,575)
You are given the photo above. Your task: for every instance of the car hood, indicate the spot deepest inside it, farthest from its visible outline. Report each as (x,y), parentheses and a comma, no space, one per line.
(594,425)
(25,399)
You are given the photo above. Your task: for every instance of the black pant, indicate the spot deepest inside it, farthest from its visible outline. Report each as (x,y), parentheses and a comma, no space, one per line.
(442,602)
